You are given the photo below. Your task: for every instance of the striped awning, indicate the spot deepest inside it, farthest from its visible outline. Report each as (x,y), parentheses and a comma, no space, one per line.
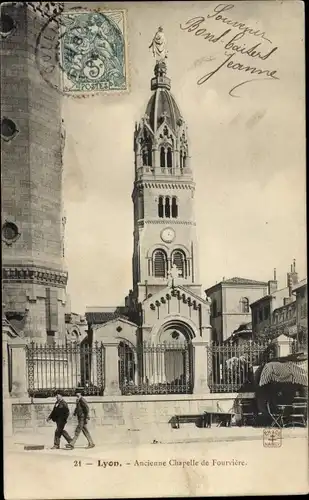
(289,372)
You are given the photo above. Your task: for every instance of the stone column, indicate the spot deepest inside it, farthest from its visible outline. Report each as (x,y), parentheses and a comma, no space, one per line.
(5,367)
(156,157)
(19,369)
(7,404)
(200,365)
(111,370)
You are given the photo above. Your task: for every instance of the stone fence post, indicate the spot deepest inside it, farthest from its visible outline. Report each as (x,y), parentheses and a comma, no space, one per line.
(111,370)
(200,366)
(19,369)
(284,346)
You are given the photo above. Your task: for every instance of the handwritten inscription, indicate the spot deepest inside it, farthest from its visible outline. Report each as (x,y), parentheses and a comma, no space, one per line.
(235,24)
(235,46)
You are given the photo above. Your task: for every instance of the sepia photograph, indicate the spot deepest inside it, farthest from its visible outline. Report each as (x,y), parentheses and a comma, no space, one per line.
(154,279)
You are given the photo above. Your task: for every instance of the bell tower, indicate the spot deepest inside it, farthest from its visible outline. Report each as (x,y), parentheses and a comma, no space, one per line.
(163,194)
(32,135)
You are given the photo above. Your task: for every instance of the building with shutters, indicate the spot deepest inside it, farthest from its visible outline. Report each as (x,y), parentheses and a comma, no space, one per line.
(230,304)
(281,310)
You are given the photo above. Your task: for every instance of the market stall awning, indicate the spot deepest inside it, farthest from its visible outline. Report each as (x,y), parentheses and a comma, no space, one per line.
(289,372)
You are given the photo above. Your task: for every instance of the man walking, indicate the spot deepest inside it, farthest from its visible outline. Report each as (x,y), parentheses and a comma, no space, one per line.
(82,414)
(59,415)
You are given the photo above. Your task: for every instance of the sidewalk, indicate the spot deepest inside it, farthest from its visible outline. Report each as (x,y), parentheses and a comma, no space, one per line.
(114,436)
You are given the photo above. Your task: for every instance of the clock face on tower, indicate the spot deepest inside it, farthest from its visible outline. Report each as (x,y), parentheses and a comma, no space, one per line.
(168,234)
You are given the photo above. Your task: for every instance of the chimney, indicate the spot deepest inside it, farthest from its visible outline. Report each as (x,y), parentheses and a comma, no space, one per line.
(292,277)
(273,284)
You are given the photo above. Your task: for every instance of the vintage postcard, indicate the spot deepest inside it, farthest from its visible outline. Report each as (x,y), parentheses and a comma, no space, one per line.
(154,310)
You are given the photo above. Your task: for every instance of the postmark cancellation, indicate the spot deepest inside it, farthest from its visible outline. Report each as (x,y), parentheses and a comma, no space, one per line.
(272,438)
(93,51)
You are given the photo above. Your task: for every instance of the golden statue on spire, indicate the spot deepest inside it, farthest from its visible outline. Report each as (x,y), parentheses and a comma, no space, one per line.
(158,45)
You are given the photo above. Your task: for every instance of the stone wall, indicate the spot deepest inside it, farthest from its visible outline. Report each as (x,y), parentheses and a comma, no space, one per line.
(129,412)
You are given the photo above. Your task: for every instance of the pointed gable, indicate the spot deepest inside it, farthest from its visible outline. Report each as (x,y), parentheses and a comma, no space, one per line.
(179,292)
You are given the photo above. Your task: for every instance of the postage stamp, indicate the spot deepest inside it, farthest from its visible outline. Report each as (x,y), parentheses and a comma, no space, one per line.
(272,438)
(93,51)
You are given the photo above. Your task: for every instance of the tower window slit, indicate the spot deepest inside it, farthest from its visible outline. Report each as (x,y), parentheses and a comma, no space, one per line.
(169,158)
(167,207)
(145,157)
(174,208)
(181,159)
(149,156)
(162,158)
(160,207)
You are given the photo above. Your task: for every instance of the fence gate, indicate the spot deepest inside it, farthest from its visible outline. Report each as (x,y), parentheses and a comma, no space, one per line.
(65,367)
(156,369)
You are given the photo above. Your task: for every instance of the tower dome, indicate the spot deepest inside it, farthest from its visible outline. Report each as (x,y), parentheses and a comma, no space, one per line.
(160,138)
(162,104)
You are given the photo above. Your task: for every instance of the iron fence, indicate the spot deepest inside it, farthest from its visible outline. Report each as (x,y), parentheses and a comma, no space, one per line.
(231,366)
(65,367)
(156,369)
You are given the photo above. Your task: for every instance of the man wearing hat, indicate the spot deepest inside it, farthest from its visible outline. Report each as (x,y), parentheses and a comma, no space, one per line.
(82,414)
(59,415)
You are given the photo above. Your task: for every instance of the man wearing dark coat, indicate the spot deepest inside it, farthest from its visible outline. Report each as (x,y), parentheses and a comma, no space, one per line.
(59,415)
(82,413)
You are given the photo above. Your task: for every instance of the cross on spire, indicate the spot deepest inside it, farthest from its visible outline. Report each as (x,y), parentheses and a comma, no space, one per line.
(174,274)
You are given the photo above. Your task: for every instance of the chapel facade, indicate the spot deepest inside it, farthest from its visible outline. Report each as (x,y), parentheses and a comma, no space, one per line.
(166,288)
(165,305)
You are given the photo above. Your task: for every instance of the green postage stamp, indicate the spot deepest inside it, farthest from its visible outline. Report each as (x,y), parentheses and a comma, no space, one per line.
(93,53)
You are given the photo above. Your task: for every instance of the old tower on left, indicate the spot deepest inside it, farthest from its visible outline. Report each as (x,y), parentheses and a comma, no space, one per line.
(34,275)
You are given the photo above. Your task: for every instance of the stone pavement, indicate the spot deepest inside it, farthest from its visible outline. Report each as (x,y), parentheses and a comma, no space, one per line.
(159,434)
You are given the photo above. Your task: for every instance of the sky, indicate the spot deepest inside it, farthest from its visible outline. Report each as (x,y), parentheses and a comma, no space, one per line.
(247,152)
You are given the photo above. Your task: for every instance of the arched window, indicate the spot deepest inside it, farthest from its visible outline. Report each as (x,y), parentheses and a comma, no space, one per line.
(159,264)
(179,260)
(167,207)
(181,159)
(169,158)
(174,207)
(162,157)
(160,207)
(244,305)
(184,160)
